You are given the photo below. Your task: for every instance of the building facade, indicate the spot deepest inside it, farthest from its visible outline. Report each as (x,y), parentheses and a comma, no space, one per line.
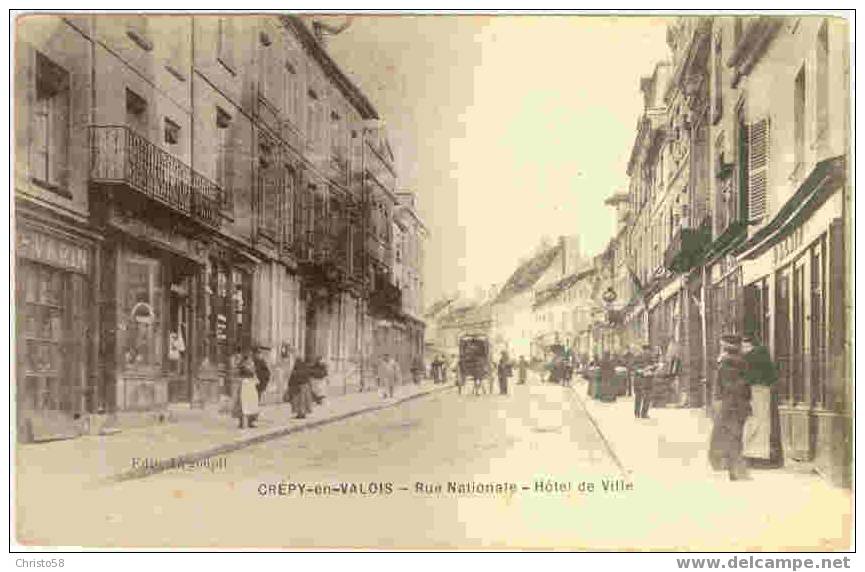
(739,215)
(189,188)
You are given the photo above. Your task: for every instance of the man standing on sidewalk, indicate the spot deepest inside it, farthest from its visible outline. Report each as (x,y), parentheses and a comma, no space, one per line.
(643,383)
(389,375)
(505,369)
(523,367)
(734,393)
(262,371)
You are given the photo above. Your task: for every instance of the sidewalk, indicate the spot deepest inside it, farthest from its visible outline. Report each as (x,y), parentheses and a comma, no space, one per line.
(195,436)
(687,502)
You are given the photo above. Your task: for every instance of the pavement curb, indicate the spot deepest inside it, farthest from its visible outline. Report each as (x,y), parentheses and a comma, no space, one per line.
(612,452)
(178,461)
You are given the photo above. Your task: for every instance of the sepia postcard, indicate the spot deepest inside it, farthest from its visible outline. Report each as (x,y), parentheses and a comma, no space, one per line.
(440,282)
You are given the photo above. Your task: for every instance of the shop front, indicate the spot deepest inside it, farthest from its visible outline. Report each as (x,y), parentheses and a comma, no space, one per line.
(178,312)
(55,362)
(794,302)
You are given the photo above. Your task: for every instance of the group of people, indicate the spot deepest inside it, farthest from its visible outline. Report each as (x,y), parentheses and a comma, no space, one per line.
(745,408)
(254,377)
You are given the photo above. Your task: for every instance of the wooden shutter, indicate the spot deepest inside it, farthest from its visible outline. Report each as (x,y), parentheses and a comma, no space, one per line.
(758,168)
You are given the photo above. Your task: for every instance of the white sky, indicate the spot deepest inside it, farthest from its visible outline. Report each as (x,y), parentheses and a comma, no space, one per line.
(509,128)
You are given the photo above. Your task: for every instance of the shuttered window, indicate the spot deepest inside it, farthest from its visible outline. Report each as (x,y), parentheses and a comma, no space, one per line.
(758,168)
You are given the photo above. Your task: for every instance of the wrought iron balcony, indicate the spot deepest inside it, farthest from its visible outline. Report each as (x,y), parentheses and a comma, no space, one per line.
(120,156)
(385,300)
(686,248)
(324,247)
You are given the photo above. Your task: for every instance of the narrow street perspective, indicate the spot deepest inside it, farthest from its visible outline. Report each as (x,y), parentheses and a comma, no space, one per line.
(432,281)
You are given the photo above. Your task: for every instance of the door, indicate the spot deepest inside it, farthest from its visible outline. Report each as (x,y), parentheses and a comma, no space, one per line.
(179,343)
(782,333)
(51,366)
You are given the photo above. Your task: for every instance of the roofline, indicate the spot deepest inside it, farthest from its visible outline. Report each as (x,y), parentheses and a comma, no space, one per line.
(355,96)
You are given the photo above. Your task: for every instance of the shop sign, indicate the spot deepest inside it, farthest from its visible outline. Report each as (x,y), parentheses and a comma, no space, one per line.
(53,250)
(789,245)
(165,237)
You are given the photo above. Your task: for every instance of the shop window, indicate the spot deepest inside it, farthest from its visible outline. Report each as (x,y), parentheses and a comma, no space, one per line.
(782,332)
(818,345)
(797,370)
(49,146)
(140,319)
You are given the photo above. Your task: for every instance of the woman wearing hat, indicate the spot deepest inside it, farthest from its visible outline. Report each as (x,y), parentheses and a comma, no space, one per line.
(762,432)
(725,448)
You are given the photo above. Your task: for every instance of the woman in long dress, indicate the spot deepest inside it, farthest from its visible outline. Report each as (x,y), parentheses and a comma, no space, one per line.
(762,432)
(248,408)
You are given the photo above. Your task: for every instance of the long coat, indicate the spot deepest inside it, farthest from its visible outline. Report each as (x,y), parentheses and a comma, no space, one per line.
(299,392)
(725,447)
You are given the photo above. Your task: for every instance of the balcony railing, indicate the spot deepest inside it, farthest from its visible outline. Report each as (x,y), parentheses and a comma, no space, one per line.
(324,247)
(119,155)
(686,248)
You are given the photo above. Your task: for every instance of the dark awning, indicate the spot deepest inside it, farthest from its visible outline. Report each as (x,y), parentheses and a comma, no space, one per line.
(826,176)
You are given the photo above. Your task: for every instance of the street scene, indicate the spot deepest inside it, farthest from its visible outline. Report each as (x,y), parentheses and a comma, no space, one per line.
(296,281)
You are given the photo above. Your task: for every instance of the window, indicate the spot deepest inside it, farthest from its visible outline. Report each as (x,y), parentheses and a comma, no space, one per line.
(224,158)
(799,122)
(140,313)
(49,146)
(225,48)
(171,132)
(314,119)
(717,84)
(269,187)
(136,111)
(822,81)
(268,72)
(292,92)
(289,192)
(738,202)
(758,168)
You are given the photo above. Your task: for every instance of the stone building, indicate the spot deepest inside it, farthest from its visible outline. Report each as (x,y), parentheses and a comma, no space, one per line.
(189,188)
(739,214)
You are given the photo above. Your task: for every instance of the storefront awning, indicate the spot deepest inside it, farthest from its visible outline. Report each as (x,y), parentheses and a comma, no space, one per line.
(826,176)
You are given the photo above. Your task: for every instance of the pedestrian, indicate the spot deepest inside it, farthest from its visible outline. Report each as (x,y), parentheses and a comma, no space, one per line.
(317,373)
(628,363)
(505,370)
(299,392)
(262,371)
(732,407)
(417,369)
(522,370)
(762,431)
(389,375)
(643,383)
(246,406)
